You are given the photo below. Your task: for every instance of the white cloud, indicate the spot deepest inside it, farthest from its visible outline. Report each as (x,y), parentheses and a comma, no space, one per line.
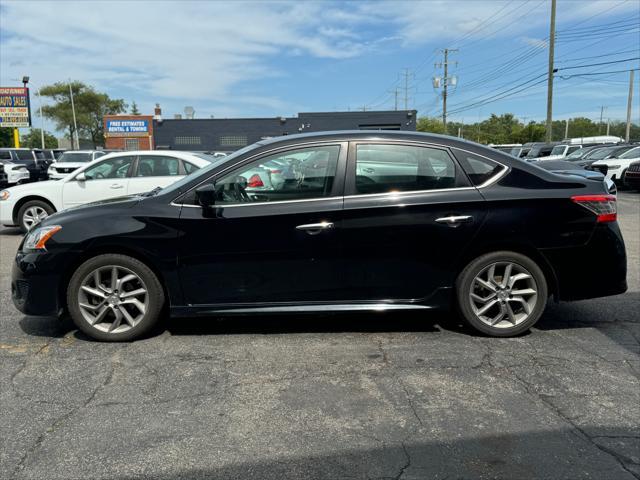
(207,53)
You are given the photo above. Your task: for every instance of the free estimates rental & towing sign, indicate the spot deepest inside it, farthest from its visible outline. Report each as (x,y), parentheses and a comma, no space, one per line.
(14,107)
(127,128)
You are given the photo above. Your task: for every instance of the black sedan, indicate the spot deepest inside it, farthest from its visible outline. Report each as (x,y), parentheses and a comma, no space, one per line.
(355,221)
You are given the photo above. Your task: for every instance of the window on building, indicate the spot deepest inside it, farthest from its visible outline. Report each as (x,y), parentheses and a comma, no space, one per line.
(398,168)
(187,141)
(233,140)
(131,144)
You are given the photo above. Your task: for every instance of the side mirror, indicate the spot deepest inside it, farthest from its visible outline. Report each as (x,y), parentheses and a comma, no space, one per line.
(206,195)
(81,177)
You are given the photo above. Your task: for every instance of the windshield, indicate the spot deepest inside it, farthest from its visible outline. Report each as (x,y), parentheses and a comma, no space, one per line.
(215,162)
(24,154)
(577,154)
(599,154)
(558,150)
(75,157)
(633,153)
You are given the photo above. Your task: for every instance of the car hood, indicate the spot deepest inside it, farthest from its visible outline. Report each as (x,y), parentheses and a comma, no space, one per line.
(28,188)
(69,164)
(91,209)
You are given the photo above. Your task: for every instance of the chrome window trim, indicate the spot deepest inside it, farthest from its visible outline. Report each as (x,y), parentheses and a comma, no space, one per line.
(251,204)
(489,182)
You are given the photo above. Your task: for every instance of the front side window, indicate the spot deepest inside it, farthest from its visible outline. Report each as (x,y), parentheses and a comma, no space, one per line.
(111,168)
(292,175)
(5,155)
(157,166)
(398,168)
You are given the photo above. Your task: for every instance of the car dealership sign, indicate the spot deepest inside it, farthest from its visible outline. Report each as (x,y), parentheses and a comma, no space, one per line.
(126,128)
(14,107)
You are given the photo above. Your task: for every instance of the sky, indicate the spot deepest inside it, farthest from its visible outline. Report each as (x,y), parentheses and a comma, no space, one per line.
(278,58)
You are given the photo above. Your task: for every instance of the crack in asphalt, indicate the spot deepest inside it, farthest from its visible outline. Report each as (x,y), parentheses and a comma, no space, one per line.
(529,388)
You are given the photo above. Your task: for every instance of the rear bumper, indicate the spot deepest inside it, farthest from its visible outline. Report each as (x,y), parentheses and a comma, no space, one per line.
(597,269)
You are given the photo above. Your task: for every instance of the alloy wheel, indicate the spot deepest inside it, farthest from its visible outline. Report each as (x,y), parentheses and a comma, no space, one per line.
(33,215)
(113,299)
(503,294)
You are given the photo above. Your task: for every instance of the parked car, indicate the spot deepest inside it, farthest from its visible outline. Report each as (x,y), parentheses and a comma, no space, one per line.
(387,221)
(111,176)
(563,167)
(560,151)
(539,149)
(36,164)
(51,153)
(618,165)
(632,176)
(601,153)
(71,160)
(11,173)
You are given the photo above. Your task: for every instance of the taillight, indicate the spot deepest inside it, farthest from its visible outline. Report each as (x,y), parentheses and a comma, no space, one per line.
(276,171)
(604,206)
(255,181)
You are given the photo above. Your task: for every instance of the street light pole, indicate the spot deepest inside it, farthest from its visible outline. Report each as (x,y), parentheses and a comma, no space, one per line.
(75,125)
(552,41)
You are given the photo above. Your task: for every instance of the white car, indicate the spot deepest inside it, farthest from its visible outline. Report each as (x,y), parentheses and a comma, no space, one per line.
(560,151)
(617,167)
(113,175)
(72,160)
(12,173)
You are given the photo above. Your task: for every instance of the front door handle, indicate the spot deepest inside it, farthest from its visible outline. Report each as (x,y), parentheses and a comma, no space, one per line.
(115,186)
(455,220)
(315,228)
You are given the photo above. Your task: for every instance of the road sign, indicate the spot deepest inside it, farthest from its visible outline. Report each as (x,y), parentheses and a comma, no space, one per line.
(15,109)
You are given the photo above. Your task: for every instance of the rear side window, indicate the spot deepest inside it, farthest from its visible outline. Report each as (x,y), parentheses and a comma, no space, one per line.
(401,168)
(478,169)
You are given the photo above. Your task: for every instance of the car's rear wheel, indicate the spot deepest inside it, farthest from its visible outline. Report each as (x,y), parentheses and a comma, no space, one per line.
(32,213)
(502,293)
(114,297)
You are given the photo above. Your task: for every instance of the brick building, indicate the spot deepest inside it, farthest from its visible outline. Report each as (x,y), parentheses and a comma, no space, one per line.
(128,132)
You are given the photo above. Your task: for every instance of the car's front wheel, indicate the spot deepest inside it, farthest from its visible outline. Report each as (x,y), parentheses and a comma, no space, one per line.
(502,293)
(114,297)
(32,213)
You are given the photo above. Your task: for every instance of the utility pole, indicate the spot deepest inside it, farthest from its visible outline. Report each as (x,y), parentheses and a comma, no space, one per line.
(552,41)
(629,102)
(445,81)
(566,129)
(75,125)
(608,125)
(395,93)
(406,75)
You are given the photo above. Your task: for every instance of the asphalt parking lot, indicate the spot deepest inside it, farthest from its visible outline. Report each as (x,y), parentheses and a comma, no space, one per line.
(341,397)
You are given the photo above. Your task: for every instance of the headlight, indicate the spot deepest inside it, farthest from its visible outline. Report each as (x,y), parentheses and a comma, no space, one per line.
(52,169)
(37,238)
(5,194)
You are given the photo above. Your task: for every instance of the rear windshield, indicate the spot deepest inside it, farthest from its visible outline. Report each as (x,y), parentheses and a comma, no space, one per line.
(75,157)
(558,150)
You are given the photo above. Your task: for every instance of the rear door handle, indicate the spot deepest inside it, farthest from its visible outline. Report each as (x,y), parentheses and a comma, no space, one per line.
(315,228)
(455,220)
(115,186)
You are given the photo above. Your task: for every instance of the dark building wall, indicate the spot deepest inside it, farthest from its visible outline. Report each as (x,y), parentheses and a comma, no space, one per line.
(228,134)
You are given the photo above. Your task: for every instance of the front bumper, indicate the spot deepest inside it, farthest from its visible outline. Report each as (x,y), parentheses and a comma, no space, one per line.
(632,179)
(35,282)
(597,269)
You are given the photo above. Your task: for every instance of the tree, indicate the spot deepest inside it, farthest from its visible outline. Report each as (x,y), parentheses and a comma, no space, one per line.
(34,140)
(134,108)
(430,125)
(6,137)
(90,107)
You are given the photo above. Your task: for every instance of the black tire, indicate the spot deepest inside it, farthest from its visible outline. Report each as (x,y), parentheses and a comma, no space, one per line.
(20,220)
(155,292)
(465,283)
